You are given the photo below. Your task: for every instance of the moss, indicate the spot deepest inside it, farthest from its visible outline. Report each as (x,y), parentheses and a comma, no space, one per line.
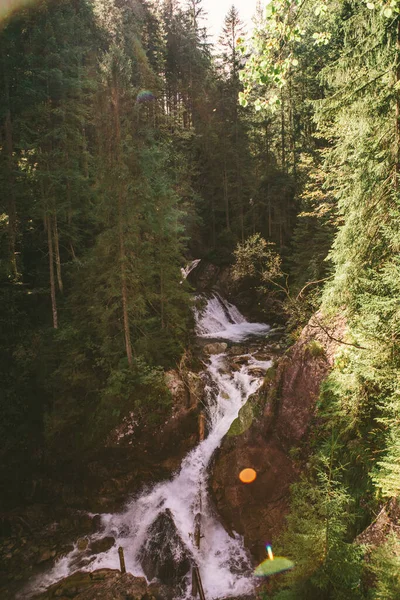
(269,376)
(250,411)
(243,421)
(315,349)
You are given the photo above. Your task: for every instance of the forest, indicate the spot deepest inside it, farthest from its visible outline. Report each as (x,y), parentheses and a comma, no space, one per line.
(130,145)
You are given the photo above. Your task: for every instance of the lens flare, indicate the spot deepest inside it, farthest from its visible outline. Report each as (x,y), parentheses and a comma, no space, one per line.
(145,96)
(273,564)
(269,550)
(271,567)
(7,7)
(247,475)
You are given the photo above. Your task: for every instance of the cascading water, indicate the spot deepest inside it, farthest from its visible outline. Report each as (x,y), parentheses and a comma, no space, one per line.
(222,560)
(222,320)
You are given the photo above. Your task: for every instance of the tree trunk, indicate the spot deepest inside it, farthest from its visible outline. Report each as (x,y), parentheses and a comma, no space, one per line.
(122,252)
(213,228)
(47,222)
(226,197)
(12,211)
(162,298)
(269,213)
(291,125)
(57,254)
(124,287)
(397,169)
(283,149)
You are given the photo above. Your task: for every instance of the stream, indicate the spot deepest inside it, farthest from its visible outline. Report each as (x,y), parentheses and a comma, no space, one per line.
(177,504)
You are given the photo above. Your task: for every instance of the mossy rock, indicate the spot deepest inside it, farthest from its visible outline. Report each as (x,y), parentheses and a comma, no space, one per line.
(269,376)
(102,545)
(69,587)
(250,411)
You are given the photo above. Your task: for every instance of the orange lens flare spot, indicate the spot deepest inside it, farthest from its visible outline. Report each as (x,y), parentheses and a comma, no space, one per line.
(247,475)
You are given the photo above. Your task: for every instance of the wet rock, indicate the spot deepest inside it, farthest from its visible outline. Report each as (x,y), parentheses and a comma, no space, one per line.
(82,561)
(262,356)
(96,522)
(158,591)
(102,545)
(107,584)
(177,438)
(235,367)
(163,555)
(85,523)
(82,544)
(256,371)
(46,555)
(64,550)
(237,350)
(240,360)
(204,276)
(215,348)
(69,587)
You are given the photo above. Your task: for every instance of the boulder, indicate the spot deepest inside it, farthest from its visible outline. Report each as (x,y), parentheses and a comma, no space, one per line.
(107,584)
(215,348)
(163,555)
(82,544)
(256,371)
(102,545)
(204,276)
(238,350)
(46,555)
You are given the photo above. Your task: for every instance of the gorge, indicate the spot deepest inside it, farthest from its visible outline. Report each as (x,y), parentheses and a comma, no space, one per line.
(164,196)
(157,528)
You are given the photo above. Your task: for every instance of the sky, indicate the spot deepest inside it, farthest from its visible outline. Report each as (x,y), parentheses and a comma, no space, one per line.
(217,10)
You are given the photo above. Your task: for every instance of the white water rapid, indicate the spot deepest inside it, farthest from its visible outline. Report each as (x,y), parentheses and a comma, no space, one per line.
(221,320)
(222,560)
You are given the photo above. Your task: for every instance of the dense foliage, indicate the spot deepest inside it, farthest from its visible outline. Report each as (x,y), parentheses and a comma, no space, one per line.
(353,464)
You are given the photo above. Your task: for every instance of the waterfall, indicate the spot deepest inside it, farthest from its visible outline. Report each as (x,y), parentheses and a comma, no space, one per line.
(222,560)
(222,320)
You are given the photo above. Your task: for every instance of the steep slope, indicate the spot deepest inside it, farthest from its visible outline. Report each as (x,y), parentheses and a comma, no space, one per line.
(271,426)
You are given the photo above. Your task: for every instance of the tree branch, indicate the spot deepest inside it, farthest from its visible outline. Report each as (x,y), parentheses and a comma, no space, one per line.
(335,339)
(311,283)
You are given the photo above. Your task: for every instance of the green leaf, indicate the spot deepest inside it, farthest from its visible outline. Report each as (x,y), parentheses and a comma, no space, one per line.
(242,99)
(388,12)
(370,5)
